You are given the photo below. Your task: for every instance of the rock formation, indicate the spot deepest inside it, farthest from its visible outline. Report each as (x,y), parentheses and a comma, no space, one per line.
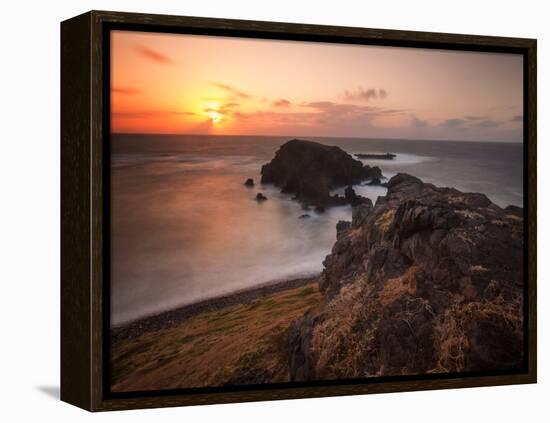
(310,170)
(386,156)
(428,280)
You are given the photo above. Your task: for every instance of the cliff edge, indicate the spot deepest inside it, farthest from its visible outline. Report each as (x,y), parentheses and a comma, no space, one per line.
(428,280)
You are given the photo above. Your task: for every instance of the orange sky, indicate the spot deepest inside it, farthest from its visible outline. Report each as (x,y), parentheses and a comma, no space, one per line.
(167,83)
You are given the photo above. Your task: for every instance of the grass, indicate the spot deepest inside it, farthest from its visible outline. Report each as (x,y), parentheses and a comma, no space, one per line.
(244,343)
(451,329)
(384,222)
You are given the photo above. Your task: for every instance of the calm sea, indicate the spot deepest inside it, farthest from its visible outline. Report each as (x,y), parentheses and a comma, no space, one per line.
(184,228)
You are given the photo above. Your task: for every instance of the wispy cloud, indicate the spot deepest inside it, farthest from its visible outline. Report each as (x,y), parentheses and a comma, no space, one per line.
(224,110)
(470,117)
(326,114)
(365,94)
(453,123)
(232,90)
(154,55)
(282,102)
(144,114)
(419,123)
(342,109)
(469,122)
(485,123)
(126,90)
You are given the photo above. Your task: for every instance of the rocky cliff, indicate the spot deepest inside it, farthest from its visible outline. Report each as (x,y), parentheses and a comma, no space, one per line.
(310,170)
(427,280)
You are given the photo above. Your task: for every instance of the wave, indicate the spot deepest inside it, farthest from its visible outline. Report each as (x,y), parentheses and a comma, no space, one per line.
(183,162)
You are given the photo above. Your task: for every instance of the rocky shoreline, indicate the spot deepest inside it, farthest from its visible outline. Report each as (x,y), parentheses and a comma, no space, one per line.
(425,280)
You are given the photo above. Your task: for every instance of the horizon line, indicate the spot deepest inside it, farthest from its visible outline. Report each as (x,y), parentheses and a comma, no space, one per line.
(316,136)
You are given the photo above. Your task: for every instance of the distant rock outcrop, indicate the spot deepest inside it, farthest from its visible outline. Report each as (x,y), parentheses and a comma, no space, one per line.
(428,280)
(310,170)
(386,156)
(260,197)
(249,182)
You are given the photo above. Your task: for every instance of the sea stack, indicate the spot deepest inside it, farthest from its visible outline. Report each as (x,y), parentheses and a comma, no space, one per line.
(310,170)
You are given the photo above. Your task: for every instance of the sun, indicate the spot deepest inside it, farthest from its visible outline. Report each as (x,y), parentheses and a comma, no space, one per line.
(212,110)
(214,116)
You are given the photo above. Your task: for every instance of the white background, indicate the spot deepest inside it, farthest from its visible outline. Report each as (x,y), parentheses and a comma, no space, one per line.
(29,233)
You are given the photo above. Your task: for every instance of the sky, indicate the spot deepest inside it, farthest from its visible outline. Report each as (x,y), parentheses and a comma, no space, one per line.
(188,84)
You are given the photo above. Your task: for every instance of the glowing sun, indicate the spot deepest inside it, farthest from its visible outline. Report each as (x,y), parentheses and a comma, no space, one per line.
(214,116)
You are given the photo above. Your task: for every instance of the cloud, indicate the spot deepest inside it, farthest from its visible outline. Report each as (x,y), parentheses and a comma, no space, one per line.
(232,90)
(154,55)
(226,108)
(281,103)
(517,118)
(419,123)
(223,111)
(326,114)
(125,90)
(485,123)
(453,123)
(363,94)
(350,109)
(229,106)
(469,122)
(144,114)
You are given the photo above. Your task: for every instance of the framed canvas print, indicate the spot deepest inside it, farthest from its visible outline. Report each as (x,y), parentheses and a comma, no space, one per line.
(258,210)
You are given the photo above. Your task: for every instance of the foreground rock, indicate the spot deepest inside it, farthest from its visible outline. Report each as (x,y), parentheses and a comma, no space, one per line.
(427,280)
(310,170)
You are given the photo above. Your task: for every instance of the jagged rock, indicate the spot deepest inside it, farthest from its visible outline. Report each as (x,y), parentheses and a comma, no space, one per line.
(341,228)
(352,198)
(260,197)
(360,212)
(300,354)
(310,170)
(514,210)
(249,182)
(427,280)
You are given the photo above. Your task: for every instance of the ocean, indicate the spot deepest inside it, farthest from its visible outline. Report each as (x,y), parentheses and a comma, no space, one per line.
(184,227)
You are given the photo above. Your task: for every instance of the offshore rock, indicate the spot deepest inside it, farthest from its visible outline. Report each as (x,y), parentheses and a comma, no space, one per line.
(310,170)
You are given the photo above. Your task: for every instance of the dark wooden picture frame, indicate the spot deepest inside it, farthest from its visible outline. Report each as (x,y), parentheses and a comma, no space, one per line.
(84,207)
